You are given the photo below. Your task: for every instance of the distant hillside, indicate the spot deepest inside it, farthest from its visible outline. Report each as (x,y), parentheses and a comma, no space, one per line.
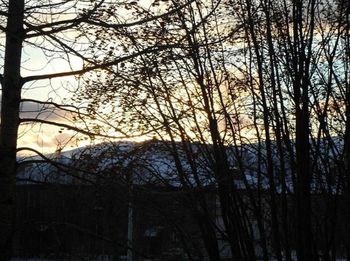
(161,163)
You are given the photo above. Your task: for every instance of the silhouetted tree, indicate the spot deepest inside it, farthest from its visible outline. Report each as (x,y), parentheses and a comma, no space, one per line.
(58,29)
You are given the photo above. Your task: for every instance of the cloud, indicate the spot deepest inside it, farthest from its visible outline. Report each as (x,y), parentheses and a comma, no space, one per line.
(43,137)
(40,111)
(34,110)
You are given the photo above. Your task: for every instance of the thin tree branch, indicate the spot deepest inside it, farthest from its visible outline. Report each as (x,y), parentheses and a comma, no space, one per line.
(70,127)
(50,5)
(102,66)
(58,106)
(2,28)
(139,22)
(72,22)
(60,166)
(85,19)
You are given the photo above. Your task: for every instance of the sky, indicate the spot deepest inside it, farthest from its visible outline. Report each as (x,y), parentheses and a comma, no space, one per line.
(37,61)
(46,138)
(43,137)
(41,55)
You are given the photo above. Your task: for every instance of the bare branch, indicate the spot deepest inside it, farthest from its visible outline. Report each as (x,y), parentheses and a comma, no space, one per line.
(85,19)
(70,127)
(68,169)
(139,22)
(59,106)
(66,24)
(102,66)
(50,5)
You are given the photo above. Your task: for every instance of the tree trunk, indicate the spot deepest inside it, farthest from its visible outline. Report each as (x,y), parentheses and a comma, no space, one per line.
(11,96)
(303,187)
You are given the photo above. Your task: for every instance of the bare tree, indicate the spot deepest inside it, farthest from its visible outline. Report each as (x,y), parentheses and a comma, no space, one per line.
(265,75)
(260,88)
(59,29)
